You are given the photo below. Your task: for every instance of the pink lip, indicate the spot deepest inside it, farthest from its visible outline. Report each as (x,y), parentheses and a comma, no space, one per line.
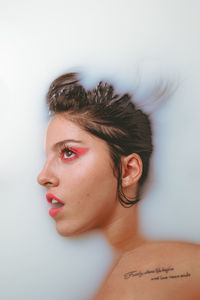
(53,211)
(50,196)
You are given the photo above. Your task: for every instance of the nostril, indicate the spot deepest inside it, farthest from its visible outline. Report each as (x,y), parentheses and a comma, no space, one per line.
(47,176)
(43,181)
(47,181)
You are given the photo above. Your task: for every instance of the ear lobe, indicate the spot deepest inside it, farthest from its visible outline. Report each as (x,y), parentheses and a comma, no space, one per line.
(131,169)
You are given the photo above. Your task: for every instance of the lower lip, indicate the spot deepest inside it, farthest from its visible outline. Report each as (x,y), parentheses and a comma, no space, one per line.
(54,211)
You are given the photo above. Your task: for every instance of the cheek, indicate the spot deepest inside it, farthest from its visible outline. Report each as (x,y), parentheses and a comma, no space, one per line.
(90,194)
(90,182)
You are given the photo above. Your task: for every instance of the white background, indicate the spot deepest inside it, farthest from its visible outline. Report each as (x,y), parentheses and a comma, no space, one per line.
(135,43)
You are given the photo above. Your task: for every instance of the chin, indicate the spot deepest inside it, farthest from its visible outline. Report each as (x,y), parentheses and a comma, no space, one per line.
(66,231)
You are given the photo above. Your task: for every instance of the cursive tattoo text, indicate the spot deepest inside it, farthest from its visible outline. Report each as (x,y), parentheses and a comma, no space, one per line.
(161,274)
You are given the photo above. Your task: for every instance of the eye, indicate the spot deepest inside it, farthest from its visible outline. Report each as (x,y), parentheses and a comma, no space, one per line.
(67,154)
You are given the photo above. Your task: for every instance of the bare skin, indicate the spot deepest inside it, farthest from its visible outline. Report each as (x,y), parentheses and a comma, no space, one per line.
(154,270)
(87,186)
(145,269)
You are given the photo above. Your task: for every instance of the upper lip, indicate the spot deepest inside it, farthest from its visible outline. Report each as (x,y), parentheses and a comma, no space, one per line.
(51,196)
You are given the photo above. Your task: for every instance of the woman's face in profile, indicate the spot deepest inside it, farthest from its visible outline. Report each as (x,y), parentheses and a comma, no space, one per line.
(78,171)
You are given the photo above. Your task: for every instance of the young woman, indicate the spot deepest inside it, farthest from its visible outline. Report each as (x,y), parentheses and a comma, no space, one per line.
(98,147)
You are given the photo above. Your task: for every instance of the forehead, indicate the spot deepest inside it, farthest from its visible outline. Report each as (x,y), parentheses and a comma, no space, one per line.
(61,128)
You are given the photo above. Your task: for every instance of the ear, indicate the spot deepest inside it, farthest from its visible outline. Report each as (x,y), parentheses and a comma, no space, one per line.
(131,169)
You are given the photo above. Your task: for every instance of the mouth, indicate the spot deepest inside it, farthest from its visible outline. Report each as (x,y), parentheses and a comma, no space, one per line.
(56,203)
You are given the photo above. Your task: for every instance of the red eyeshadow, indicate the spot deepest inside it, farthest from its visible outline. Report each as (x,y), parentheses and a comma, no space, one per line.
(79,151)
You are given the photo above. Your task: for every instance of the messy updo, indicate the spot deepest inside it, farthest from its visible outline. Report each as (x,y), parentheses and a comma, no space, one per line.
(109,116)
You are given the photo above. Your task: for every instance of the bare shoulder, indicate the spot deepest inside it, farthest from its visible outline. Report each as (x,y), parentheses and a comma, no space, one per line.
(164,261)
(156,270)
(176,256)
(161,252)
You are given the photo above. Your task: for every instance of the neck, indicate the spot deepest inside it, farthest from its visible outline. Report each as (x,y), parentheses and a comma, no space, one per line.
(122,229)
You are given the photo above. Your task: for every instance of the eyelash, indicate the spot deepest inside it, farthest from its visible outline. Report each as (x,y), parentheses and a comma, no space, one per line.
(64,151)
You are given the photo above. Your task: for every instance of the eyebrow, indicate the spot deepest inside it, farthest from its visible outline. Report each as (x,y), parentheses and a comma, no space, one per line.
(56,145)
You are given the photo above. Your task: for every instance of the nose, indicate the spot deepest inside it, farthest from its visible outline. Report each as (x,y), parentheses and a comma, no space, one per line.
(47,177)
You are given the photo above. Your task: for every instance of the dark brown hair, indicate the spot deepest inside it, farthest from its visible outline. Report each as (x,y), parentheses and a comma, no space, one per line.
(109,116)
